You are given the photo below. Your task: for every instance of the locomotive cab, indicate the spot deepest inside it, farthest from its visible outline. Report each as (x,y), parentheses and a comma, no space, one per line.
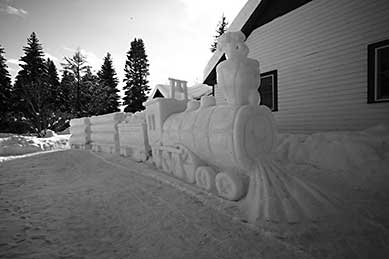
(157,111)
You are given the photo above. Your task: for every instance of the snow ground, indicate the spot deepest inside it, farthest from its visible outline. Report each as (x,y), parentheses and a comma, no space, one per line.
(84,206)
(96,205)
(99,205)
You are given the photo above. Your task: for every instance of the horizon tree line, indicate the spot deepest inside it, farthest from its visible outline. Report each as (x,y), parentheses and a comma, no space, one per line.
(39,100)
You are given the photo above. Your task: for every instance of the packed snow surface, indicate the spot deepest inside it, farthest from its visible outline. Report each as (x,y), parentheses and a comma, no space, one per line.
(88,206)
(98,205)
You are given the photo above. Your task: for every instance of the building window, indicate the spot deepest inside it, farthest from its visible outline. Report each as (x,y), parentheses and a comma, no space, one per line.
(378,72)
(268,90)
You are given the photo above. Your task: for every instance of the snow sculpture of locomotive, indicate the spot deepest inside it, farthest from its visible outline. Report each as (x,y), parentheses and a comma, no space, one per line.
(226,149)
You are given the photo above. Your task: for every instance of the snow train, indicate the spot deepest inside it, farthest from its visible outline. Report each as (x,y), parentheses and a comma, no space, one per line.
(224,149)
(209,145)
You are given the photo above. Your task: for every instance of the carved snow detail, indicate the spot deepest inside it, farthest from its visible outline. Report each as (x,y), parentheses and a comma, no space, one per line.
(190,162)
(157,157)
(230,186)
(238,75)
(205,178)
(166,162)
(177,166)
(274,195)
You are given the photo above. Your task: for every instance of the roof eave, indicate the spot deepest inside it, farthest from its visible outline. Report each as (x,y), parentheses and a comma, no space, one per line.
(237,24)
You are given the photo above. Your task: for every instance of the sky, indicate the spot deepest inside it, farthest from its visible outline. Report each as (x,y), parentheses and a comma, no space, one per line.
(177,33)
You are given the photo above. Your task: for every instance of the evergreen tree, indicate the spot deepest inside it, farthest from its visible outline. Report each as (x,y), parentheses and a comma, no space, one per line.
(221,29)
(5,93)
(92,97)
(109,82)
(53,82)
(136,72)
(77,65)
(58,120)
(66,93)
(31,91)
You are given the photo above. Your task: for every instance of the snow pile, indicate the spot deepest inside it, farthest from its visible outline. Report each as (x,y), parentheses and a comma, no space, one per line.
(337,150)
(11,144)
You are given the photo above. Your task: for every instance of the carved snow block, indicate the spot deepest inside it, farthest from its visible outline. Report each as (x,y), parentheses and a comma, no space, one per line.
(104,132)
(133,137)
(80,133)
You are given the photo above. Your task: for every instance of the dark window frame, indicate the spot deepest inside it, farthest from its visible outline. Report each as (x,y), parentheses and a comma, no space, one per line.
(273,73)
(372,72)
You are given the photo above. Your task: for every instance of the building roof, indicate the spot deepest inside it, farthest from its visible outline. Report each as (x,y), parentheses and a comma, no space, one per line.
(194,92)
(254,14)
(163,89)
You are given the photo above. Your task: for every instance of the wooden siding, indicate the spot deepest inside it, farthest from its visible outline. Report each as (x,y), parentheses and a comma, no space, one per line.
(320,52)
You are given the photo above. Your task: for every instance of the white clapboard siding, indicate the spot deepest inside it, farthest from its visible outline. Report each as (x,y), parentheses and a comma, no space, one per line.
(320,53)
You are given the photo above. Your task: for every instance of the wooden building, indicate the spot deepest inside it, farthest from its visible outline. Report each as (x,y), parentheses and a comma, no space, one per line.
(324,63)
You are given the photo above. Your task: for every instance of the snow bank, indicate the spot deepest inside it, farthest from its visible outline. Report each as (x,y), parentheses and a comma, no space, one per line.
(11,144)
(337,150)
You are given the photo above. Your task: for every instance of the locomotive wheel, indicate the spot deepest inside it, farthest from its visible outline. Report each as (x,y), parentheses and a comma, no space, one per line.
(166,162)
(230,186)
(205,178)
(177,167)
(139,156)
(142,156)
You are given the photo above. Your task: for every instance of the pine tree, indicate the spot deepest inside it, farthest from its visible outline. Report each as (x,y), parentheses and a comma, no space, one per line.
(136,72)
(53,82)
(109,82)
(58,120)
(65,97)
(31,91)
(221,29)
(77,65)
(66,94)
(5,93)
(92,97)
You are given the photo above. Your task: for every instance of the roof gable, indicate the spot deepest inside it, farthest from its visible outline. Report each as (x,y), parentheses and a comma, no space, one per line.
(253,15)
(195,92)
